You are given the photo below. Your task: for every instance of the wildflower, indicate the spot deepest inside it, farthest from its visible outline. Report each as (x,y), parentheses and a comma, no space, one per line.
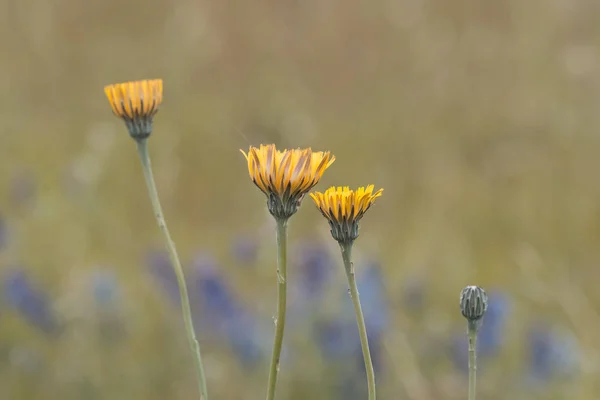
(286,176)
(314,263)
(222,313)
(335,335)
(105,288)
(212,291)
(136,103)
(553,353)
(245,250)
(31,302)
(344,208)
(374,299)
(492,335)
(107,295)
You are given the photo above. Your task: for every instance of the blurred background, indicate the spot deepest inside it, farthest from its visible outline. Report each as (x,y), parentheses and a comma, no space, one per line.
(479,118)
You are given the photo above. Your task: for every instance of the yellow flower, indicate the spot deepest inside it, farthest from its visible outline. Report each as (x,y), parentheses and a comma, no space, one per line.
(344,208)
(286,176)
(136,103)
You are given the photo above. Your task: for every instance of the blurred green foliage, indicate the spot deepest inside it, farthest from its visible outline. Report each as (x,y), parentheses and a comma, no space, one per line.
(480,119)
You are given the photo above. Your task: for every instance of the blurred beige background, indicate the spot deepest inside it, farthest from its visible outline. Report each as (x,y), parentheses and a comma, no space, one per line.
(480,119)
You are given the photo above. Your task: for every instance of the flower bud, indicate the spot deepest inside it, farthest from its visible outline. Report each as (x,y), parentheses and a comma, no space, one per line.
(473,303)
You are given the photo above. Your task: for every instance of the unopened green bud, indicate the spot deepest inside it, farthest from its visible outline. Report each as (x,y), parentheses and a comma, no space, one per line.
(473,303)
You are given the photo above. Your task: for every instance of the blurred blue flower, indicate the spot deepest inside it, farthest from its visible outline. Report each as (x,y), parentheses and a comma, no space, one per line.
(106,292)
(492,334)
(30,302)
(551,354)
(315,264)
(245,250)
(247,338)
(352,386)
(540,351)
(216,302)
(222,313)
(413,295)
(491,337)
(159,265)
(373,298)
(105,288)
(339,338)
(376,312)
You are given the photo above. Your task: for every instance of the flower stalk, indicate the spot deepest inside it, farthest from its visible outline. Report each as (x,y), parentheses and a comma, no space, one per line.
(360,319)
(472,334)
(284,177)
(473,305)
(281,235)
(142,147)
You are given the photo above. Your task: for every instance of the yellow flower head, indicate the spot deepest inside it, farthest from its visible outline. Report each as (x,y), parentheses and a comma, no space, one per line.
(136,103)
(286,176)
(344,208)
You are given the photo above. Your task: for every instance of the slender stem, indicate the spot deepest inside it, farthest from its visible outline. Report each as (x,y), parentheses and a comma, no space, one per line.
(472,333)
(360,319)
(142,147)
(281,305)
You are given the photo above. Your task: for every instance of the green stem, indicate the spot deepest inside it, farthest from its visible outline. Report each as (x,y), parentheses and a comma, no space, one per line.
(360,319)
(142,147)
(281,305)
(472,333)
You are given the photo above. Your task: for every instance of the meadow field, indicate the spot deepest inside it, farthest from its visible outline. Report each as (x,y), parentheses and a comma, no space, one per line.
(480,119)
